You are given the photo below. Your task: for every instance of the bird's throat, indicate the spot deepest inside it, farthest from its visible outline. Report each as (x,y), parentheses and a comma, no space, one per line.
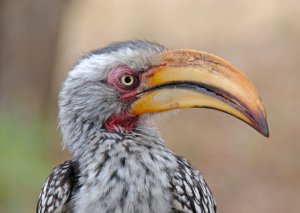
(125,121)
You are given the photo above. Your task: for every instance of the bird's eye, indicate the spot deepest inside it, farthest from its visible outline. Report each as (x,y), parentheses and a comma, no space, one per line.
(128,81)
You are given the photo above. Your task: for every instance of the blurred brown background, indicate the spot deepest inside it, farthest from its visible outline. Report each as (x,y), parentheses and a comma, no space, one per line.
(40,40)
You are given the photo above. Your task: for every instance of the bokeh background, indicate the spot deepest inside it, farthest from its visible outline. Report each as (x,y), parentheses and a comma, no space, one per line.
(40,40)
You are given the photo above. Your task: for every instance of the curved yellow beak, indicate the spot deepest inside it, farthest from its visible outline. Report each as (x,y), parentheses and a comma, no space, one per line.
(189,78)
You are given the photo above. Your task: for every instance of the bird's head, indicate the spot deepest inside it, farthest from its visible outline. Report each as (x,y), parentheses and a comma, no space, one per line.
(116,87)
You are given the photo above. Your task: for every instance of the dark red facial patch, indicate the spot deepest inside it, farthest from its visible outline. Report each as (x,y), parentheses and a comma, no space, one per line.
(125,120)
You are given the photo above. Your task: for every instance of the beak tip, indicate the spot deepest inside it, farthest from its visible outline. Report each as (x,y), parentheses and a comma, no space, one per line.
(265,132)
(263,127)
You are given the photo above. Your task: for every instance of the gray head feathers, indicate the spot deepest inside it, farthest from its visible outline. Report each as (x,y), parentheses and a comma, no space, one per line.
(86,100)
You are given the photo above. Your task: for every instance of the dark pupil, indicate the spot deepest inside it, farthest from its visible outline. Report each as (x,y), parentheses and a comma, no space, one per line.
(128,79)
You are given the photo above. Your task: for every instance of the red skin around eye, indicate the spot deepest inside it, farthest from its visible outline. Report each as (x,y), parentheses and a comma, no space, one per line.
(124,120)
(113,79)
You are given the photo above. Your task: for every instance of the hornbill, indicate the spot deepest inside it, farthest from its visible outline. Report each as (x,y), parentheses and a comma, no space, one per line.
(120,162)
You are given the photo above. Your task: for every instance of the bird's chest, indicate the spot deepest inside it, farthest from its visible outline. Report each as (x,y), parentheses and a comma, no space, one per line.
(126,179)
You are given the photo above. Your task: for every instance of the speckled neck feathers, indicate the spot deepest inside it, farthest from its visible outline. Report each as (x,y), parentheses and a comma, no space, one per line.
(119,173)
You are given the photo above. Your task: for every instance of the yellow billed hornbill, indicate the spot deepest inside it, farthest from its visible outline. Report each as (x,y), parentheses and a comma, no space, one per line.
(120,162)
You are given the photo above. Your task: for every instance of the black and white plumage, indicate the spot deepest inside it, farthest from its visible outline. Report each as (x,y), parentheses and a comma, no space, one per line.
(134,176)
(57,189)
(120,162)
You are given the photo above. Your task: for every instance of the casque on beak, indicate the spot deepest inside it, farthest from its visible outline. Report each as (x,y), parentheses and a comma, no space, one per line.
(190,78)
